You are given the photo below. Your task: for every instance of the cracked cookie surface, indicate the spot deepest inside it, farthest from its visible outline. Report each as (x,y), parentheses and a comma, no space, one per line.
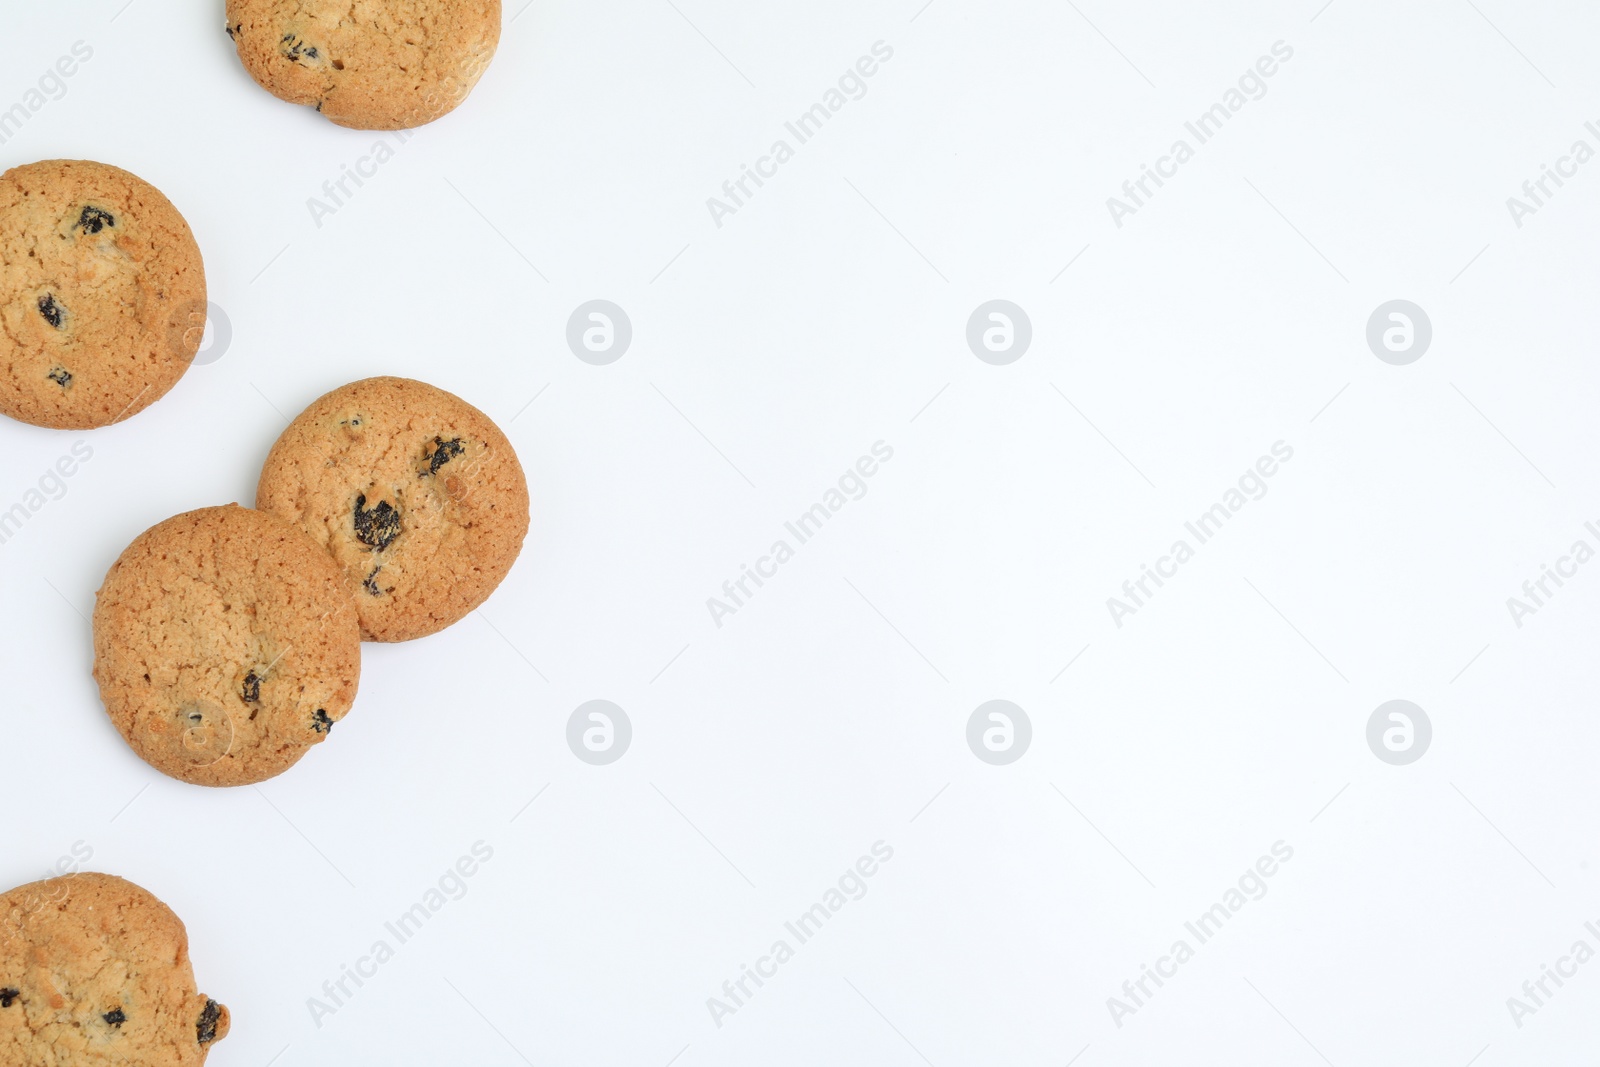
(367,64)
(95,970)
(102,294)
(416,493)
(226,645)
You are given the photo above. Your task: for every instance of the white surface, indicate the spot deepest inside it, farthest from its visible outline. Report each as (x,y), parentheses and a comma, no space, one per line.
(806,728)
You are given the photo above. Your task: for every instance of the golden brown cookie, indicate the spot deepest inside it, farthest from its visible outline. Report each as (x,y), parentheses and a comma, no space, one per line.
(367,64)
(102,294)
(225,646)
(415,492)
(95,970)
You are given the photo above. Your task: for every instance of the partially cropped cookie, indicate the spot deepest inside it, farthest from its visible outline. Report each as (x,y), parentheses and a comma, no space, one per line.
(416,494)
(367,64)
(226,644)
(95,970)
(102,294)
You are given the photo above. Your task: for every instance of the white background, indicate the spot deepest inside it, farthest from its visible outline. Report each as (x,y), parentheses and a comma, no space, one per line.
(827,314)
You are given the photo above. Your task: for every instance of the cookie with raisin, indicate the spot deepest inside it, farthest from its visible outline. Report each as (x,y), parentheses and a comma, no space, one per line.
(102,294)
(226,645)
(415,493)
(367,64)
(95,970)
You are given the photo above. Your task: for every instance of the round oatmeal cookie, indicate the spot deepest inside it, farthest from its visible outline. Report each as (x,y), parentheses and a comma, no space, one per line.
(225,646)
(95,971)
(102,294)
(416,494)
(367,64)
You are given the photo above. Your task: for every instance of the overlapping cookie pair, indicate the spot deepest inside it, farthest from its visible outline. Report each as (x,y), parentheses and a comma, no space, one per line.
(227,640)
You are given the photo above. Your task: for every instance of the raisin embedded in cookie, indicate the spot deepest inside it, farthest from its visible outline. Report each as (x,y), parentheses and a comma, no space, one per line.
(225,645)
(95,970)
(102,294)
(416,494)
(367,64)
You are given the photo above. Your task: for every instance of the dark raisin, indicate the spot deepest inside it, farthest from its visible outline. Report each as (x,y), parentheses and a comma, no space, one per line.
(443,452)
(252,688)
(205,1031)
(321,723)
(7,996)
(61,376)
(370,585)
(93,220)
(53,312)
(115,1017)
(378,526)
(298,48)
